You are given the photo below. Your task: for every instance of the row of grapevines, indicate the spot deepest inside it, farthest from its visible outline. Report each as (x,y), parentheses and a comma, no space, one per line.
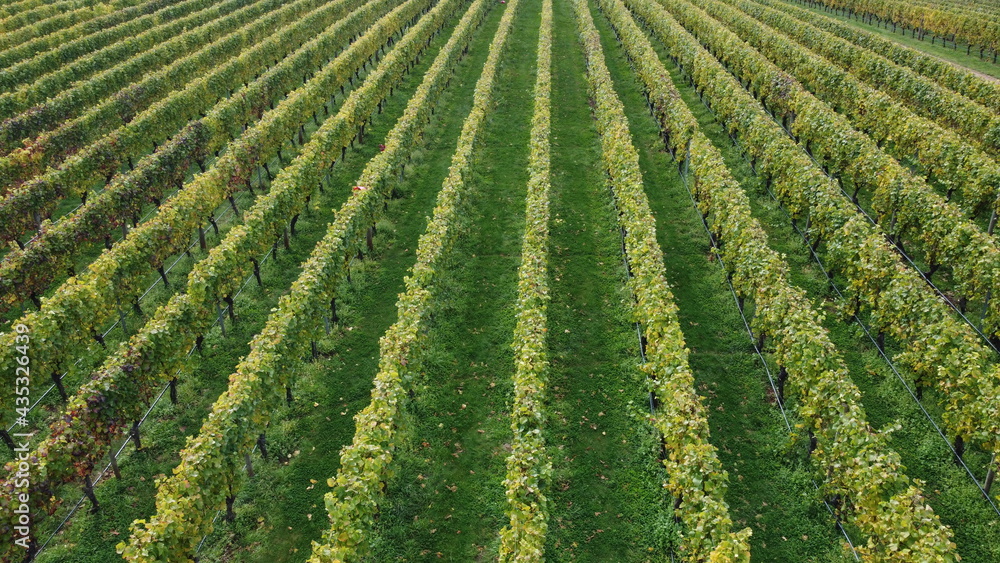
(958,78)
(364,464)
(67,320)
(927,98)
(19,6)
(117,125)
(81,38)
(944,155)
(119,390)
(938,348)
(956,6)
(47,18)
(855,463)
(28,61)
(211,462)
(870,18)
(694,472)
(904,203)
(959,6)
(71,89)
(980,7)
(528,466)
(30,271)
(973,29)
(984,6)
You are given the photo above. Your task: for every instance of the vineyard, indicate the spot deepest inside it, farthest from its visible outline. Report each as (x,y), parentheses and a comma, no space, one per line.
(499,280)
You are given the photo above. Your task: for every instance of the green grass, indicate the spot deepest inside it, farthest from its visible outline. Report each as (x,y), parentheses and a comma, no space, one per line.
(951,53)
